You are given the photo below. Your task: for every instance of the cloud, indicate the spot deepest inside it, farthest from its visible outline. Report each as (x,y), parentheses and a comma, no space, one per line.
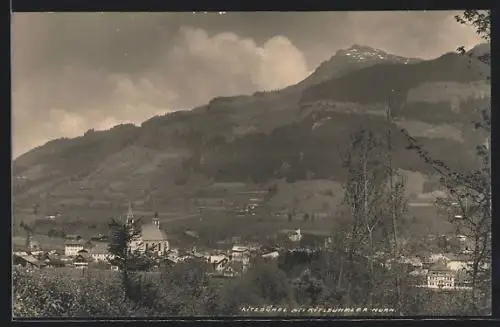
(226,64)
(194,68)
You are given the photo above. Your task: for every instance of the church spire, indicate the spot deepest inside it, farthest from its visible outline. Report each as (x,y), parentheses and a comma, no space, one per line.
(130,214)
(156,220)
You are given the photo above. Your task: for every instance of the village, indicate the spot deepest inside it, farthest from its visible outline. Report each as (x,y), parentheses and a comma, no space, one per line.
(231,258)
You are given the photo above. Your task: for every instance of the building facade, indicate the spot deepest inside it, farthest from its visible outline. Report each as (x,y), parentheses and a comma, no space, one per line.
(99,252)
(72,247)
(82,260)
(440,276)
(152,238)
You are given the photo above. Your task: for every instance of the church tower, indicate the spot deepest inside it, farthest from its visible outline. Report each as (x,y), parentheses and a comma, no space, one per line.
(156,220)
(130,214)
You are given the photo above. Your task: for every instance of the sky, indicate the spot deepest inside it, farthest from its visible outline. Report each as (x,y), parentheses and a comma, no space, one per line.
(76,71)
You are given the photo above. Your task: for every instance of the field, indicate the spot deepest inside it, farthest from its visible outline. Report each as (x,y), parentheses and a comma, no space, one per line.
(427,221)
(313,197)
(224,225)
(214,226)
(50,243)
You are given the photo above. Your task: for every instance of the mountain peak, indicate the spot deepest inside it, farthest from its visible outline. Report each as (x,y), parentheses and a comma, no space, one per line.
(348,59)
(362,48)
(363,53)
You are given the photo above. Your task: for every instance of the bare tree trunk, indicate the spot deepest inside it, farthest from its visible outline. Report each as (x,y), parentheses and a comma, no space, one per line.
(475,269)
(393,202)
(370,297)
(339,281)
(368,227)
(351,272)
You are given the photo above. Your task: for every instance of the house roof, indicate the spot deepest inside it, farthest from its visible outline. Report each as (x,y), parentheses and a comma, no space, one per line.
(151,232)
(439,267)
(99,248)
(191,233)
(73,242)
(238,248)
(457,257)
(84,255)
(218,257)
(411,260)
(54,260)
(419,272)
(31,259)
(64,258)
(220,260)
(20,253)
(273,254)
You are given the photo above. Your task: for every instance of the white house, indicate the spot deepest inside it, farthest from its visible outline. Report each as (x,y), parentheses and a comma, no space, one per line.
(456,265)
(271,255)
(435,257)
(99,252)
(295,236)
(72,247)
(216,258)
(241,254)
(440,276)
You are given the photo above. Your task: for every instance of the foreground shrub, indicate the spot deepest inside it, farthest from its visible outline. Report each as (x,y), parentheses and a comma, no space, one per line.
(48,293)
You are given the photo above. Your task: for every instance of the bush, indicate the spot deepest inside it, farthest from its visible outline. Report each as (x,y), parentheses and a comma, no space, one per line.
(186,290)
(48,293)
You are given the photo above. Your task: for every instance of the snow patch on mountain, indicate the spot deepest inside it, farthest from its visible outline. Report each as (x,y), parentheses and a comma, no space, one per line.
(363,53)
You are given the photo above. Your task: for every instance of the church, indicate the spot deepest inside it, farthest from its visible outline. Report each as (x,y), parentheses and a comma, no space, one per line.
(152,238)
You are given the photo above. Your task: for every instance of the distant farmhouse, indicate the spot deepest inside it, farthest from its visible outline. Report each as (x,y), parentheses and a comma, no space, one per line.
(73,245)
(99,252)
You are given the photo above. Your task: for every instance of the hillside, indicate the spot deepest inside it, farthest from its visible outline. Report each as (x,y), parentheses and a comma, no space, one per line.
(348,60)
(291,135)
(374,84)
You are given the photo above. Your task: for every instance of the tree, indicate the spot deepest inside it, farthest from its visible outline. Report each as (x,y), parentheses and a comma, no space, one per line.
(468,200)
(29,233)
(124,247)
(36,206)
(480,19)
(266,284)
(364,192)
(271,192)
(309,290)
(185,290)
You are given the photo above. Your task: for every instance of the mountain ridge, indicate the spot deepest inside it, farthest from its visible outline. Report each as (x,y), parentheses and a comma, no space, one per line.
(249,137)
